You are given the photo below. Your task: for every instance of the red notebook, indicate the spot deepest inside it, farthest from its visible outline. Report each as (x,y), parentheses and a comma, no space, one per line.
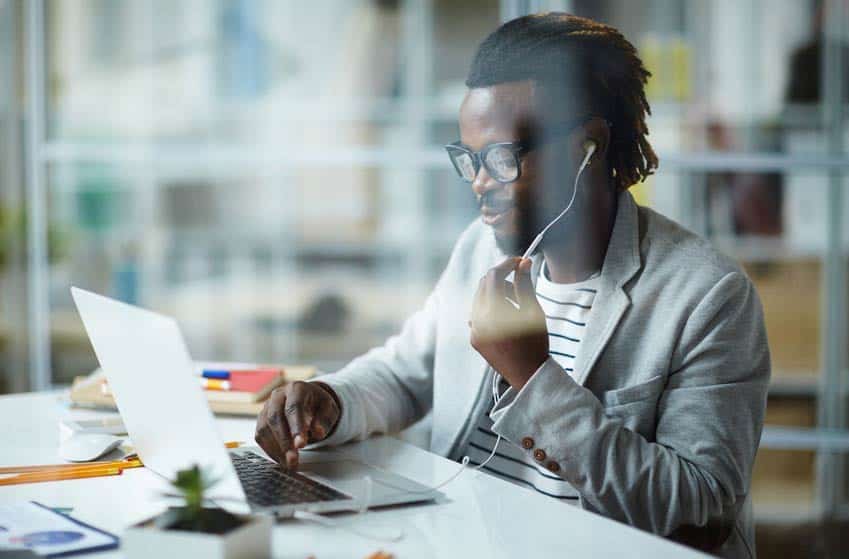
(253,380)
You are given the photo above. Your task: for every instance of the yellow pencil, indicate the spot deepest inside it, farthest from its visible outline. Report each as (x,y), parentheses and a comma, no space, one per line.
(37,477)
(75,471)
(122,464)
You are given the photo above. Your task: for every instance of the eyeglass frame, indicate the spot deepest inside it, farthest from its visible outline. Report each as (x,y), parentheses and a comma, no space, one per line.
(519,148)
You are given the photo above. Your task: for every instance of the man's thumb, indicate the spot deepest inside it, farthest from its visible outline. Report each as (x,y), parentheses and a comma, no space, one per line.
(525,292)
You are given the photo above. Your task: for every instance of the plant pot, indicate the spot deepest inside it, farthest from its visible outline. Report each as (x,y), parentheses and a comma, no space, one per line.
(155,537)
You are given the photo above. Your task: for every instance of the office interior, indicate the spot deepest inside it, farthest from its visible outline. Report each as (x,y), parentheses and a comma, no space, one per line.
(272,175)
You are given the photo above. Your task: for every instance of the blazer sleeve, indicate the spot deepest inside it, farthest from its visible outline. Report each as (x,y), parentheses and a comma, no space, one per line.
(710,417)
(391,386)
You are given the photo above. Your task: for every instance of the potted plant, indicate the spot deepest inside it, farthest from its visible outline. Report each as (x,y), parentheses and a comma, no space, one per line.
(192,530)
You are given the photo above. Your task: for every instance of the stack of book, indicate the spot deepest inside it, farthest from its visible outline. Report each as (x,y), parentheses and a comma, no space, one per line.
(231,388)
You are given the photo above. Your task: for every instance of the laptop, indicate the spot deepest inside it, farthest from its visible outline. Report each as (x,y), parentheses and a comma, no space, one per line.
(141,352)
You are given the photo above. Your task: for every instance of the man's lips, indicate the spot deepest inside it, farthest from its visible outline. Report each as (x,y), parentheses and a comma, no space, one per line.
(495,215)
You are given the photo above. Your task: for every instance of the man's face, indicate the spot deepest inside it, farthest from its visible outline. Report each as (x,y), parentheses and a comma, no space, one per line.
(518,210)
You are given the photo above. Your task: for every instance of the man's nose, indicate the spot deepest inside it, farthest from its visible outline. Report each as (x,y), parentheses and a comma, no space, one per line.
(483,183)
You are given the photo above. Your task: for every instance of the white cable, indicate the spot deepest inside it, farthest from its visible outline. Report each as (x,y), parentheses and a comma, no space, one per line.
(365,505)
(590,149)
(496,397)
(365,501)
(463,464)
(491,454)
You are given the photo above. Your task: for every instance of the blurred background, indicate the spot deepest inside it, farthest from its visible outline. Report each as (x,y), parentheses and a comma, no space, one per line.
(271,173)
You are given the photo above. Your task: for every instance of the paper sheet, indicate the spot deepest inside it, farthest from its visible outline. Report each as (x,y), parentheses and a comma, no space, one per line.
(36,527)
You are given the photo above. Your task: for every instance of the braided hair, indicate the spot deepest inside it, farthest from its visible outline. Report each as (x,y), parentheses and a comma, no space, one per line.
(582,66)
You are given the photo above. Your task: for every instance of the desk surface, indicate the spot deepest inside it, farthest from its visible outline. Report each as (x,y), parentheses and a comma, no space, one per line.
(483,516)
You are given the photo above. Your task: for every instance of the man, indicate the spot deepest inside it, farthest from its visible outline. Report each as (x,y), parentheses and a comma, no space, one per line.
(629,372)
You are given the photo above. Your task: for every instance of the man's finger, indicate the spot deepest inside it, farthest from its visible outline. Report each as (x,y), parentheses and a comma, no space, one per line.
(319,428)
(292,459)
(265,438)
(506,266)
(279,425)
(296,401)
(495,284)
(302,439)
(524,287)
(325,417)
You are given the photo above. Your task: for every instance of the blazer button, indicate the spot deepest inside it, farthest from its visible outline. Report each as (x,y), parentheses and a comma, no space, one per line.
(553,467)
(539,455)
(527,443)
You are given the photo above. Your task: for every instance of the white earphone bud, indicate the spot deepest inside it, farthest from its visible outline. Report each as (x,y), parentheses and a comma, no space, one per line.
(589,150)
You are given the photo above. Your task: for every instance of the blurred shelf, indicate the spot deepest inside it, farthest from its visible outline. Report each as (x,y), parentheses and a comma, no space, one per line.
(786,505)
(755,249)
(753,162)
(199,155)
(798,438)
(794,384)
(219,240)
(196,160)
(281,112)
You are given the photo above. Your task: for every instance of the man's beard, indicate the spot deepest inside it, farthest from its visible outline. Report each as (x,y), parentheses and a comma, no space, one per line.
(531,219)
(517,242)
(512,245)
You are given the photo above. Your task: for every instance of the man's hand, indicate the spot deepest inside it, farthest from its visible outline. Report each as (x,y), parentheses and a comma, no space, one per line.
(293,416)
(514,341)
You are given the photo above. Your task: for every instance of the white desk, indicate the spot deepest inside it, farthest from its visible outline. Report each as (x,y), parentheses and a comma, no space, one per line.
(484,516)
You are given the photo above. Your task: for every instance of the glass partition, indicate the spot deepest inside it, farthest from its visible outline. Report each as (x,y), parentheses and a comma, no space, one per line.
(272,175)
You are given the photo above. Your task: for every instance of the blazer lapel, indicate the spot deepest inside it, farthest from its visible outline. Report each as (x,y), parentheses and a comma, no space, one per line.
(621,262)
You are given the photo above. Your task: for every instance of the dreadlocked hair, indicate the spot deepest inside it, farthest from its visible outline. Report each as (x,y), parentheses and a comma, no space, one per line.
(580,65)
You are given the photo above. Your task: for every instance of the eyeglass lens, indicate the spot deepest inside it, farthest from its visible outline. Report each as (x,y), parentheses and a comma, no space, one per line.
(465,165)
(501,163)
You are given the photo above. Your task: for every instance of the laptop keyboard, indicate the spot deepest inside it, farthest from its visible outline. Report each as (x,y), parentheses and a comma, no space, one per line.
(266,484)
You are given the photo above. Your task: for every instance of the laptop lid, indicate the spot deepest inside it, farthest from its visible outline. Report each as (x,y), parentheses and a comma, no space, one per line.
(160,400)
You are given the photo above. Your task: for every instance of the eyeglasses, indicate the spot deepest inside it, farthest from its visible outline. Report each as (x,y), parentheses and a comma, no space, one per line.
(502,160)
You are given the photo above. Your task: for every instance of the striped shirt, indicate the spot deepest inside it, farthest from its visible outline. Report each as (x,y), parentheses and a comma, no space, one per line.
(567,310)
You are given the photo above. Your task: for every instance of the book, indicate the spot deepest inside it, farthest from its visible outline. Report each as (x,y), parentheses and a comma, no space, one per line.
(92,390)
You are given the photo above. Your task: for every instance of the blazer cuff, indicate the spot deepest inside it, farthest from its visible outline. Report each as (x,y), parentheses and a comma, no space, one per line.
(504,403)
(345,429)
(515,416)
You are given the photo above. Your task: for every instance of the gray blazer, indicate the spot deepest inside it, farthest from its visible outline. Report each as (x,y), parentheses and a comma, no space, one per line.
(661,429)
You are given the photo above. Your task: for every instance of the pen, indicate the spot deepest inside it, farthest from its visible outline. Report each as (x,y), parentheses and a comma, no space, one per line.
(220,374)
(214,384)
